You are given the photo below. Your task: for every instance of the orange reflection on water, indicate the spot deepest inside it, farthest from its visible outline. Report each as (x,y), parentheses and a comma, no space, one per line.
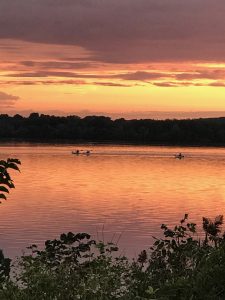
(128,190)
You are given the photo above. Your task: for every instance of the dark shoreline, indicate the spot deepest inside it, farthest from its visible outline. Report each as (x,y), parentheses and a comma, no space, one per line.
(58,142)
(103,130)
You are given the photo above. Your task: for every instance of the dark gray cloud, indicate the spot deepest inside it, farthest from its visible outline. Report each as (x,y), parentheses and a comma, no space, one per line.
(113,84)
(202,74)
(43,82)
(65,81)
(44,74)
(217,84)
(202,77)
(141,76)
(59,64)
(167,84)
(121,31)
(133,76)
(188,83)
(7,100)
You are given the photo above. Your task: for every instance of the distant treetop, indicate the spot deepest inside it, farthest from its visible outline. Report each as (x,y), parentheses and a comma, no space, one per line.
(41,127)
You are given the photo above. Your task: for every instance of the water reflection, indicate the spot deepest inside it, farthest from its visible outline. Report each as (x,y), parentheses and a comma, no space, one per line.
(117,190)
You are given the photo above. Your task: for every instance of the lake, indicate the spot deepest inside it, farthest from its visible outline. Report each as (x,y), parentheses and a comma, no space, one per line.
(119,193)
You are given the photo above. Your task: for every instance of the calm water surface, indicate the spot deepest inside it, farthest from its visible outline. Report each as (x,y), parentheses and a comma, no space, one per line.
(118,192)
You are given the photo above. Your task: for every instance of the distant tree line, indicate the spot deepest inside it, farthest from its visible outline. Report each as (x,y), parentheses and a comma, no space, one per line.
(40,127)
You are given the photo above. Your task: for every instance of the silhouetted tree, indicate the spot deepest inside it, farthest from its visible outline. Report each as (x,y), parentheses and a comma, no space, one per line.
(99,128)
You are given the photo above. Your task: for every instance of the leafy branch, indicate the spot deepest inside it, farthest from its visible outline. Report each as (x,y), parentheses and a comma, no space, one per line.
(6,182)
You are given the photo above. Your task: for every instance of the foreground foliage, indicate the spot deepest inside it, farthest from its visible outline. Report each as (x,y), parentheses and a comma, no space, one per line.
(178,266)
(6,183)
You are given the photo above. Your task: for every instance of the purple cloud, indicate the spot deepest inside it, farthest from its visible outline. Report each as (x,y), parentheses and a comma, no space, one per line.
(125,31)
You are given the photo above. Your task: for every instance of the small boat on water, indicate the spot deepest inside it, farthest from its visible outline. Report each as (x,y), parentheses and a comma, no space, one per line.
(179,156)
(84,152)
(77,152)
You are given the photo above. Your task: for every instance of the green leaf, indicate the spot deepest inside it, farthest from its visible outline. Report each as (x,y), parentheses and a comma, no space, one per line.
(4,189)
(3,163)
(9,183)
(13,166)
(14,160)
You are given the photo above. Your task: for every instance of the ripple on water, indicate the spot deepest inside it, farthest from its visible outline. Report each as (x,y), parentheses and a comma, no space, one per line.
(125,191)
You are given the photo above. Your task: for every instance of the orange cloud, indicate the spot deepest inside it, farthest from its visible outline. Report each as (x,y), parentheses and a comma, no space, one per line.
(7,100)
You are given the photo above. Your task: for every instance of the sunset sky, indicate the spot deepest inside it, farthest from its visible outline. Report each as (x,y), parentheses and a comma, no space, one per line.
(128,58)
